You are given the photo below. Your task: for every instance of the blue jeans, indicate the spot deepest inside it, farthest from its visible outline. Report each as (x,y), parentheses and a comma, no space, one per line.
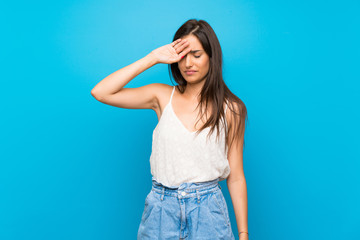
(191,211)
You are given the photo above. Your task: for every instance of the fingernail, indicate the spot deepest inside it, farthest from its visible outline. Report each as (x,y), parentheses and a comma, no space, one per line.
(182,56)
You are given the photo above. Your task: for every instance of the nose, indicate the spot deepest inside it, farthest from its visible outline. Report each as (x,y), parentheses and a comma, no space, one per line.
(188,61)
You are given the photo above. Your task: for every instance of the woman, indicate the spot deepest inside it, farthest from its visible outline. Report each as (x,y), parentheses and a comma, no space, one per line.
(190,155)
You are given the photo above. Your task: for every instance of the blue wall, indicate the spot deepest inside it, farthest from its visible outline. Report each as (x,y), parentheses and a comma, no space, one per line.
(74,168)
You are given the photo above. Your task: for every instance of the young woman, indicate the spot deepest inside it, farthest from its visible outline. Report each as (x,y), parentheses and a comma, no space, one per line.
(196,142)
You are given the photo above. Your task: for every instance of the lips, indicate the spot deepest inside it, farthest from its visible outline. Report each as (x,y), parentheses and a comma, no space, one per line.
(190,72)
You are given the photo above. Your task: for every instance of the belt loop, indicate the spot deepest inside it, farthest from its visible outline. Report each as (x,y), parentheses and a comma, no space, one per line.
(162,194)
(198,196)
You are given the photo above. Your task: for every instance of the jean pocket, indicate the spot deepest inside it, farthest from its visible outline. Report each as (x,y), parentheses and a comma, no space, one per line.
(147,207)
(221,203)
(147,198)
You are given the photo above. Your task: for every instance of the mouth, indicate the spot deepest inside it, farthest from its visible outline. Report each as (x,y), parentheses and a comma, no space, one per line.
(190,72)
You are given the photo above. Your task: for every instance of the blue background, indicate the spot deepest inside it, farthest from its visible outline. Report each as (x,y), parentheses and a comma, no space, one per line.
(74,168)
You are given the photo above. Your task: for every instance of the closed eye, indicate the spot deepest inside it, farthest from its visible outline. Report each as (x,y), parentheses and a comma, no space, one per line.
(197,56)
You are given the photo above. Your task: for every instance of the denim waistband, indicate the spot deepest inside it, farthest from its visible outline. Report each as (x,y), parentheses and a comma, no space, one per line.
(188,189)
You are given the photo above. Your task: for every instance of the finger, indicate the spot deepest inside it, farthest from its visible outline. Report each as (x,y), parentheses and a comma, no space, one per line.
(175,42)
(179,44)
(182,47)
(184,52)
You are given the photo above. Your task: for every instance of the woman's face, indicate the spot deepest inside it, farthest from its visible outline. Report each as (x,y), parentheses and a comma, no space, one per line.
(196,61)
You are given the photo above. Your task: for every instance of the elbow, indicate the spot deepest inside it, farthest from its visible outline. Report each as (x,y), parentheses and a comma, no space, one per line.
(96,95)
(93,93)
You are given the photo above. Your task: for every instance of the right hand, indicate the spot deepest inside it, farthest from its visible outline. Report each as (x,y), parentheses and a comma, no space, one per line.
(172,52)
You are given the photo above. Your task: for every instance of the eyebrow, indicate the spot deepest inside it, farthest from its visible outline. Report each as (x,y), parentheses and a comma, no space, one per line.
(194,51)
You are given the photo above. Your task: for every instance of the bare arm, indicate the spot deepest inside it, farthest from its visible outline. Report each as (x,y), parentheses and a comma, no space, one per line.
(117,80)
(111,89)
(236,183)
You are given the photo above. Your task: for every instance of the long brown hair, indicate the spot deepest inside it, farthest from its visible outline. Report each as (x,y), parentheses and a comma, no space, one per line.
(214,90)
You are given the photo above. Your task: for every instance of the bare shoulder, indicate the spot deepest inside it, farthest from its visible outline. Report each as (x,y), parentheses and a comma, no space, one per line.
(232,112)
(163,93)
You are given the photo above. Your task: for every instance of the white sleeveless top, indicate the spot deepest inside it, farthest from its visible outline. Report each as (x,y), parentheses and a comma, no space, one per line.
(179,156)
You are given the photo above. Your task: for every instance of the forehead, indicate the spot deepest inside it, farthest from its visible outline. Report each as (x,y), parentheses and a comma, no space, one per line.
(195,44)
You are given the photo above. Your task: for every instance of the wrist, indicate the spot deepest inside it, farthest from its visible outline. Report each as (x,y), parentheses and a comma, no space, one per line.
(151,58)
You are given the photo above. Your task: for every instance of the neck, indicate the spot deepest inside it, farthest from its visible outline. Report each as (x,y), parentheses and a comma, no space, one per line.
(192,90)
